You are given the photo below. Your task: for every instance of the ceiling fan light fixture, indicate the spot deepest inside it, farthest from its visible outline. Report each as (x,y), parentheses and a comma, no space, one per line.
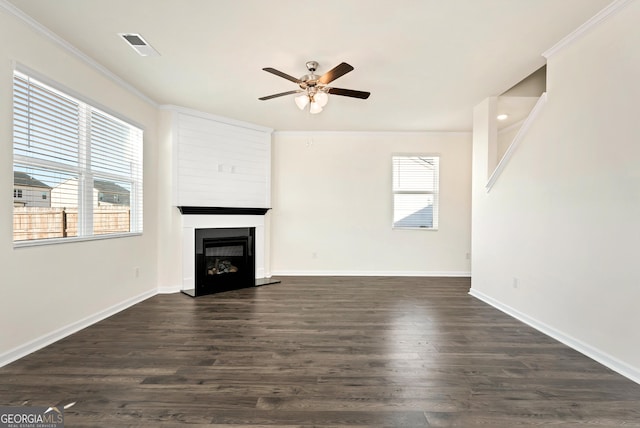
(315,108)
(302,101)
(321,98)
(313,89)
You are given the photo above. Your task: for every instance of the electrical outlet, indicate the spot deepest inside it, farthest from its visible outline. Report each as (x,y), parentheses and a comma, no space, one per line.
(515,283)
(137,271)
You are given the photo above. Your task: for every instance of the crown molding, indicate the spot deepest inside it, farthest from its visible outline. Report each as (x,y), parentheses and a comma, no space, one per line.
(214,117)
(369,133)
(53,37)
(596,20)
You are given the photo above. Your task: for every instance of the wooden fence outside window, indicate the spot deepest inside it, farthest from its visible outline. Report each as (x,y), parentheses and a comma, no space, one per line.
(43,222)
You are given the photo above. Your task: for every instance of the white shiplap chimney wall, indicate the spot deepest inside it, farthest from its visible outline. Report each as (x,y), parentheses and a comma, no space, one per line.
(221,163)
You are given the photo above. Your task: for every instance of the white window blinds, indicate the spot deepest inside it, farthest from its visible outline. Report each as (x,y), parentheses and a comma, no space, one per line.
(415,191)
(79,167)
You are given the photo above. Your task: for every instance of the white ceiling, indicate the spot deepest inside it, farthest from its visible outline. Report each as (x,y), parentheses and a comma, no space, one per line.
(427,63)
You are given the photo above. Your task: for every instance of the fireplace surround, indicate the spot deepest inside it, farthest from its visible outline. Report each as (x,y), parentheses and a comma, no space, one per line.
(226,232)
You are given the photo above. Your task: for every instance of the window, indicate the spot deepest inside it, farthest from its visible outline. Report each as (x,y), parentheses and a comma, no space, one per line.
(69,146)
(415,191)
(17,193)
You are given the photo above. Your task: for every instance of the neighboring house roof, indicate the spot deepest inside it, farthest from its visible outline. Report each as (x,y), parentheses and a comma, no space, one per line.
(24,179)
(111,192)
(109,187)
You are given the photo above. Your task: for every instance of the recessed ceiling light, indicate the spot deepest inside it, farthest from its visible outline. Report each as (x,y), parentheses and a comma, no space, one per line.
(502,116)
(139,44)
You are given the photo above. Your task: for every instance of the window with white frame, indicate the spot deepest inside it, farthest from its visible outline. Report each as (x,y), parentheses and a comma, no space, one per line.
(76,151)
(415,191)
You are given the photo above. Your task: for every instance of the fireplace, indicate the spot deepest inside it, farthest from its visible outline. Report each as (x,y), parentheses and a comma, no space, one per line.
(223,249)
(224,260)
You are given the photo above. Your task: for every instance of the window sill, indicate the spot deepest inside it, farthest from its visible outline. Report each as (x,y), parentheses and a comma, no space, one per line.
(55,241)
(431,229)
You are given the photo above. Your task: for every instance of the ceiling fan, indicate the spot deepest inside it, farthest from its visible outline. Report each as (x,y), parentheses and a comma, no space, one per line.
(313,88)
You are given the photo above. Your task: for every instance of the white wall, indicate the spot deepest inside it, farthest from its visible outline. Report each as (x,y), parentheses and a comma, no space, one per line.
(169,218)
(332,205)
(555,241)
(71,282)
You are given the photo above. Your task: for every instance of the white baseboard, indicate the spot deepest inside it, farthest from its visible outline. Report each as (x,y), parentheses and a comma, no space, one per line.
(61,333)
(369,273)
(170,289)
(601,357)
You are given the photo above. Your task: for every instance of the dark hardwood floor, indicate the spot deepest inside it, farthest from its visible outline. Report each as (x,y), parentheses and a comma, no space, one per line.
(321,352)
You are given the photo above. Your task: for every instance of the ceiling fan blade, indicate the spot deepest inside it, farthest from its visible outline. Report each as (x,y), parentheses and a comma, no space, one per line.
(281,74)
(337,71)
(281,94)
(349,93)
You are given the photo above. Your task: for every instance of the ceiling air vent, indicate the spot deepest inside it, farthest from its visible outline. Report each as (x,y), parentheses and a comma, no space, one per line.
(139,44)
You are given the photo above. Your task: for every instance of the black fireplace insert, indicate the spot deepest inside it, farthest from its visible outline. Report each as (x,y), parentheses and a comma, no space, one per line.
(224,260)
